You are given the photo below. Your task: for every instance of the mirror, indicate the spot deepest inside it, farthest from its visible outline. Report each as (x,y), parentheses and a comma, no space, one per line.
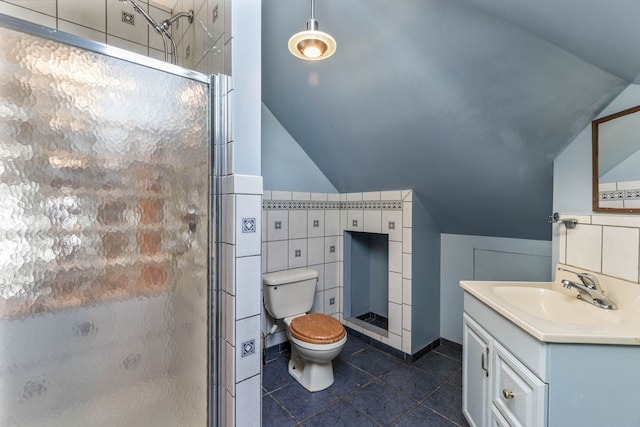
(616,162)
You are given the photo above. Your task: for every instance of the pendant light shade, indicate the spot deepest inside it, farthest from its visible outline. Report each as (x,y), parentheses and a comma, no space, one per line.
(312,44)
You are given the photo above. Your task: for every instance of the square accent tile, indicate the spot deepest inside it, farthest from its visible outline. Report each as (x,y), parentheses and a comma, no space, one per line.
(128,18)
(248,348)
(248,225)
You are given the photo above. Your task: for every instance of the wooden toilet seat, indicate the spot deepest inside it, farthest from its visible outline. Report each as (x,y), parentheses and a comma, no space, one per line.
(317,328)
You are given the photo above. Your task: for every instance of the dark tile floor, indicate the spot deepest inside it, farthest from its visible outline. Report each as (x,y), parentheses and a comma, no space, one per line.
(371,388)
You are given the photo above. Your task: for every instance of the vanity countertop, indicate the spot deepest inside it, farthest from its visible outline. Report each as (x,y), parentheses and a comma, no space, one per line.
(550,313)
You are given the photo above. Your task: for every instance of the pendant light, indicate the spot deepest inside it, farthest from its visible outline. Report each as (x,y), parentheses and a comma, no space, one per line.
(312,44)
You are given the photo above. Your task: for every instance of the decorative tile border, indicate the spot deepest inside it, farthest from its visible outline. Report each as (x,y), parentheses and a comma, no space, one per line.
(311,204)
(620,195)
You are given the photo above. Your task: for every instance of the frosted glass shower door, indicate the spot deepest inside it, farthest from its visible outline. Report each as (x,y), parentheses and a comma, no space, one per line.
(104,235)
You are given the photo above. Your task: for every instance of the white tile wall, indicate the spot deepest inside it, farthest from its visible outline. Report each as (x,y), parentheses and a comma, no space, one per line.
(297,224)
(332,223)
(126,45)
(117,24)
(277,255)
(248,403)
(28,14)
(315,223)
(395,257)
(241,265)
(394,219)
(373,195)
(607,244)
(584,247)
(277,225)
(88,13)
(391,195)
(101,20)
(248,242)
(47,7)
(332,295)
(355,219)
(300,196)
(332,277)
(79,30)
(318,303)
(297,253)
(373,221)
(315,246)
(395,287)
(315,242)
(228,255)
(332,248)
(619,246)
(248,273)
(249,365)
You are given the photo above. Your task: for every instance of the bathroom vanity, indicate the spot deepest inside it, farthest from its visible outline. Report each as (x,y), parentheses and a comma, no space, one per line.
(534,355)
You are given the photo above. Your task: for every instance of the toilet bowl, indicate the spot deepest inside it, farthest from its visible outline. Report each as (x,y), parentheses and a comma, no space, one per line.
(312,356)
(316,339)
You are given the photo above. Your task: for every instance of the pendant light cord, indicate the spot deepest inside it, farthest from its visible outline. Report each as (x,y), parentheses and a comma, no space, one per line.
(313,8)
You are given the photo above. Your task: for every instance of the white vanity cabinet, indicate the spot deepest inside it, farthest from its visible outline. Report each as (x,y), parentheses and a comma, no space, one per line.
(497,388)
(512,379)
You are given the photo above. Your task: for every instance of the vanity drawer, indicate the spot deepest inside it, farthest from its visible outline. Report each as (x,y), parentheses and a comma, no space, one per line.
(518,394)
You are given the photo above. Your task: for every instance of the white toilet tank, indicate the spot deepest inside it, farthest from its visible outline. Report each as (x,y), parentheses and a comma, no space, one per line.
(290,292)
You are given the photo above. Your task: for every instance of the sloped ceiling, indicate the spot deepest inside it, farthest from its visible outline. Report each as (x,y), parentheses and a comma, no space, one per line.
(465,101)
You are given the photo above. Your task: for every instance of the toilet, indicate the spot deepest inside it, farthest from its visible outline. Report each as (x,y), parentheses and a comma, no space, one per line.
(316,339)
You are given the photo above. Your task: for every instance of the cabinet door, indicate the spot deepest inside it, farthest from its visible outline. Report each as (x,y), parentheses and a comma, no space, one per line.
(519,395)
(475,374)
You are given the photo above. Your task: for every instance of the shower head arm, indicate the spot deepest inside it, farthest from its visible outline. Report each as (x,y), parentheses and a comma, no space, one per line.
(166,24)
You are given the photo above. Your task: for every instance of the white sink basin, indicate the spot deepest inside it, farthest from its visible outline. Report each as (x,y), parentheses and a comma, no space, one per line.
(555,306)
(551,313)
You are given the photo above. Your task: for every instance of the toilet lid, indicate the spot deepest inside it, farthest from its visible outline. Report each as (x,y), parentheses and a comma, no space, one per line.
(317,328)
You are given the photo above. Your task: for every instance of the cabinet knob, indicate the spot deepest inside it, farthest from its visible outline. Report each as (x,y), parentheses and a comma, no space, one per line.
(508,394)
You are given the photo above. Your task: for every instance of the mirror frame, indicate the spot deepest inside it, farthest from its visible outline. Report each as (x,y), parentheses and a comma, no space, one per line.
(595,182)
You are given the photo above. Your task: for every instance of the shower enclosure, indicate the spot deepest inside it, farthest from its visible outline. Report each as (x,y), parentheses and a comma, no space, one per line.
(106,236)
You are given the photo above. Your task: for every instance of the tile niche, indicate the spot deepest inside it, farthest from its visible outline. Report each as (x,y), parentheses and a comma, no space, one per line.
(307,230)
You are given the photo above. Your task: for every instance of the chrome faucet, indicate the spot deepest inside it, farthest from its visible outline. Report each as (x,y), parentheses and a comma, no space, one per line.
(589,290)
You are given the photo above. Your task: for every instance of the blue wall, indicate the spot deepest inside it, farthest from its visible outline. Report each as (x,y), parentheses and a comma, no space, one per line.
(367,256)
(485,258)
(285,166)
(425,277)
